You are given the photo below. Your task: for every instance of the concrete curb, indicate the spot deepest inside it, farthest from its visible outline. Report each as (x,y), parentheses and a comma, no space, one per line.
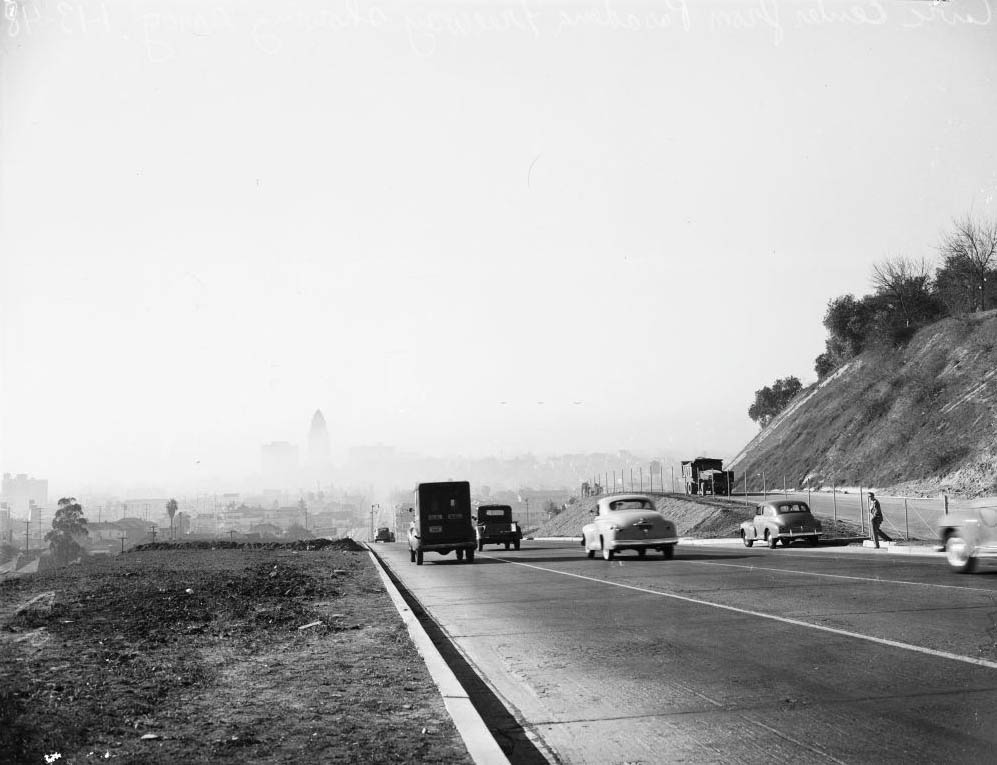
(889,547)
(480,743)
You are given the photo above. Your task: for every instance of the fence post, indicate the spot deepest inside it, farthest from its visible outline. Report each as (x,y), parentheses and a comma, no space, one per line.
(861,510)
(946,503)
(906,522)
(834,499)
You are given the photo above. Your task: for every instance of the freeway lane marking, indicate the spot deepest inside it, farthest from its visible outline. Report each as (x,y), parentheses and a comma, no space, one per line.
(773,617)
(842,576)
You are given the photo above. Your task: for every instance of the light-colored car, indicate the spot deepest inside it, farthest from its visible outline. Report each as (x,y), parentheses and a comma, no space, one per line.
(628,522)
(788,520)
(969,535)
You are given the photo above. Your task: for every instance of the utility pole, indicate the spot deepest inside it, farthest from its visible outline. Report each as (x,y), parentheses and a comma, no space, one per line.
(372,522)
(122,538)
(153,530)
(27,530)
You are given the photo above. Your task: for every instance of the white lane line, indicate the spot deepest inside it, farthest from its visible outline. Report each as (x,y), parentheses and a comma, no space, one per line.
(843,576)
(773,617)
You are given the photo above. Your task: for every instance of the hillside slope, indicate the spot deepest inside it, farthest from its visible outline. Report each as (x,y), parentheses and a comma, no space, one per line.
(918,420)
(691,515)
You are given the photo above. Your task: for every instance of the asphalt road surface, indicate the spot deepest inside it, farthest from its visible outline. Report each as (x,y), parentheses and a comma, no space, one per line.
(725,654)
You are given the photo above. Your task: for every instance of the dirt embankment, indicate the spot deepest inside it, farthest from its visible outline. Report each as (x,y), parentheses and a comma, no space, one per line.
(914,420)
(693,516)
(698,517)
(215,653)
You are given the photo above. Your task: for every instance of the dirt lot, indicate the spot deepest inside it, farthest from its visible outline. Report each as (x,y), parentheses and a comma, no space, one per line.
(228,654)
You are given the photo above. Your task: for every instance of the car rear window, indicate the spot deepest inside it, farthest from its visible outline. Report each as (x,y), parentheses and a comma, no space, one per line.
(499,512)
(793,509)
(631,504)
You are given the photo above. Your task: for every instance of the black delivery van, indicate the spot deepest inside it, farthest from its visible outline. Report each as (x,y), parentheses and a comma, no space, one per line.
(442,521)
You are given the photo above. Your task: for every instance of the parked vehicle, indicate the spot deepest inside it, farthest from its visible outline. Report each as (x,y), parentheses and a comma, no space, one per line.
(786,520)
(969,535)
(442,521)
(384,534)
(496,527)
(628,522)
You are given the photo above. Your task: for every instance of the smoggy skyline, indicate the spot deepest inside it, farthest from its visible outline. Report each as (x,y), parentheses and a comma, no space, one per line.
(547,228)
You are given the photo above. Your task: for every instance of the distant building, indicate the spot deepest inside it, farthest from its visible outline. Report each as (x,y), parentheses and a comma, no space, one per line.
(318,441)
(279,464)
(20,491)
(6,524)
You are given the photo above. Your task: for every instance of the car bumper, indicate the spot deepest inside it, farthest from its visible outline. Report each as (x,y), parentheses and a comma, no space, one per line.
(502,536)
(640,544)
(445,546)
(796,534)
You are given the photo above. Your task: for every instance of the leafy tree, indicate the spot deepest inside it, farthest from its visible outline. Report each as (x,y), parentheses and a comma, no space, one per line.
(769,401)
(171,510)
(848,322)
(969,255)
(67,526)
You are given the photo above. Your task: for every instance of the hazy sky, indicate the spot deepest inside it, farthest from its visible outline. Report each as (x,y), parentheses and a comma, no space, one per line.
(458,228)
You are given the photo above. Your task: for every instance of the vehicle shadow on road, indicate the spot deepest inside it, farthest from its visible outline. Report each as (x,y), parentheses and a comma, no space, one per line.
(652,559)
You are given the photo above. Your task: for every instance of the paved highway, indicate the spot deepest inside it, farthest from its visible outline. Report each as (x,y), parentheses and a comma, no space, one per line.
(725,654)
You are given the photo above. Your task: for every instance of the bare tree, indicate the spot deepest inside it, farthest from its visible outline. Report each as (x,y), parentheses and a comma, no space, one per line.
(905,282)
(970,249)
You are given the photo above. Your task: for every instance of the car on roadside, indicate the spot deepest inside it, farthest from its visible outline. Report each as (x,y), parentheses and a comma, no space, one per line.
(628,522)
(969,535)
(384,534)
(495,526)
(781,520)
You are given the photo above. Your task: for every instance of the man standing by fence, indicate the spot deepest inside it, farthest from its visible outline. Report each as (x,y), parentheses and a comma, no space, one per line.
(876,516)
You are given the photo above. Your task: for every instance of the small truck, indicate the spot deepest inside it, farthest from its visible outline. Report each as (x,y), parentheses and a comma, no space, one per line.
(495,526)
(441,521)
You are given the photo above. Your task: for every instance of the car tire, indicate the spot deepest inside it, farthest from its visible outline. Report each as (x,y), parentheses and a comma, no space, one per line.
(747,542)
(460,555)
(958,554)
(772,541)
(642,552)
(418,558)
(813,541)
(590,554)
(516,544)
(506,545)
(669,552)
(470,555)
(786,541)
